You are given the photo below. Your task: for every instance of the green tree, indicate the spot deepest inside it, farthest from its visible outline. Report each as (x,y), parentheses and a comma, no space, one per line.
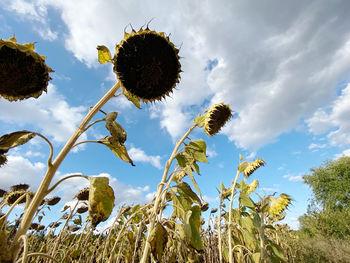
(329,212)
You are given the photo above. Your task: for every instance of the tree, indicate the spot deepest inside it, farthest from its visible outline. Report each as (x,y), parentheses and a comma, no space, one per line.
(329,212)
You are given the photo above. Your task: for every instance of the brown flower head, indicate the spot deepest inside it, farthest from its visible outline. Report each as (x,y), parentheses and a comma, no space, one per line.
(13,196)
(82,209)
(147,64)
(53,200)
(2,192)
(83,195)
(216,118)
(3,159)
(23,72)
(19,187)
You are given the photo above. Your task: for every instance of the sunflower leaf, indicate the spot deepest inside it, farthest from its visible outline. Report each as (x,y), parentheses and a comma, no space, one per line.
(104,55)
(15,139)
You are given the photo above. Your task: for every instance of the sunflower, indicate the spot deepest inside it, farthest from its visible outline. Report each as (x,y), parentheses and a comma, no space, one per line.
(3,159)
(23,72)
(216,118)
(147,64)
(279,204)
(253,166)
(83,195)
(53,200)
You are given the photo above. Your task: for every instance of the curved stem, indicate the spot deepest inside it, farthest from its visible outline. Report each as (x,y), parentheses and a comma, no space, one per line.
(78,143)
(45,183)
(65,178)
(12,206)
(233,190)
(25,248)
(87,127)
(159,193)
(49,160)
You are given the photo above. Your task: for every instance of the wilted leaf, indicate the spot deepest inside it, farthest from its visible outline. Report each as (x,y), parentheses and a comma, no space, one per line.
(185,190)
(242,166)
(132,98)
(188,171)
(104,55)
(158,240)
(256,257)
(14,139)
(117,148)
(101,199)
(199,120)
(192,226)
(114,128)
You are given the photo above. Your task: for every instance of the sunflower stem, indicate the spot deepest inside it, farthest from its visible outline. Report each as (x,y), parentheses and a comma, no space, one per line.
(160,187)
(233,190)
(51,170)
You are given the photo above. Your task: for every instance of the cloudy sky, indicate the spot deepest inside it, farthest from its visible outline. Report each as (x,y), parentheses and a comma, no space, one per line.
(283,66)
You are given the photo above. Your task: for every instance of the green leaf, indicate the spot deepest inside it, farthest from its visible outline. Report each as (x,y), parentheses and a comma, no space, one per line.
(197,150)
(101,199)
(104,55)
(195,167)
(256,220)
(199,145)
(135,100)
(245,200)
(242,166)
(185,190)
(117,148)
(189,172)
(181,205)
(15,139)
(192,227)
(249,239)
(199,120)
(158,240)
(247,223)
(181,159)
(277,250)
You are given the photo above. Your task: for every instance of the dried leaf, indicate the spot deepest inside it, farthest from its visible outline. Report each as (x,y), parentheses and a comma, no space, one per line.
(15,139)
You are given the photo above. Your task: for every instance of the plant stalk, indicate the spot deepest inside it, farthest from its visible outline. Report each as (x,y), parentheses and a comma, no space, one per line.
(233,190)
(51,170)
(159,193)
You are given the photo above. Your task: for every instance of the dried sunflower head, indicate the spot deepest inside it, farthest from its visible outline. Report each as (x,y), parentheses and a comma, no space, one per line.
(83,195)
(82,209)
(19,187)
(53,200)
(2,192)
(147,64)
(3,159)
(13,196)
(216,118)
(23,72)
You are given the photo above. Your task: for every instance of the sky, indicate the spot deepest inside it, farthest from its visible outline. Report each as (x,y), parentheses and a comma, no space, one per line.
(282,66)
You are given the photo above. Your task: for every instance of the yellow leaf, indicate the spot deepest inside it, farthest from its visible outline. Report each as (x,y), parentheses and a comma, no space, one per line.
(101,199)
(30,46)
(104,55)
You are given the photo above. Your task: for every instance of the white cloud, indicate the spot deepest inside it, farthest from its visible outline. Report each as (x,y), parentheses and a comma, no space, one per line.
(138,155)
(20,170)
(293,178)
(344,153)
(277,61)
(316,146)
(334,120)
(50,113)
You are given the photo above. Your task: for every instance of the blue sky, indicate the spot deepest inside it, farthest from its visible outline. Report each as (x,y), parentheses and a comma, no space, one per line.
(284,68)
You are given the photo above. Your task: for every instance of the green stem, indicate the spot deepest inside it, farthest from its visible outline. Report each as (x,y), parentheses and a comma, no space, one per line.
(51,170)
(233,190)
(160,187)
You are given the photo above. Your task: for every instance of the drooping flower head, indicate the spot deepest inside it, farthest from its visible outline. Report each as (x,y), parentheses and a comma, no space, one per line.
(216,118)
(253,166)
(279,204)
(23,72)
(83,195)
(19,187)
(147,64)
